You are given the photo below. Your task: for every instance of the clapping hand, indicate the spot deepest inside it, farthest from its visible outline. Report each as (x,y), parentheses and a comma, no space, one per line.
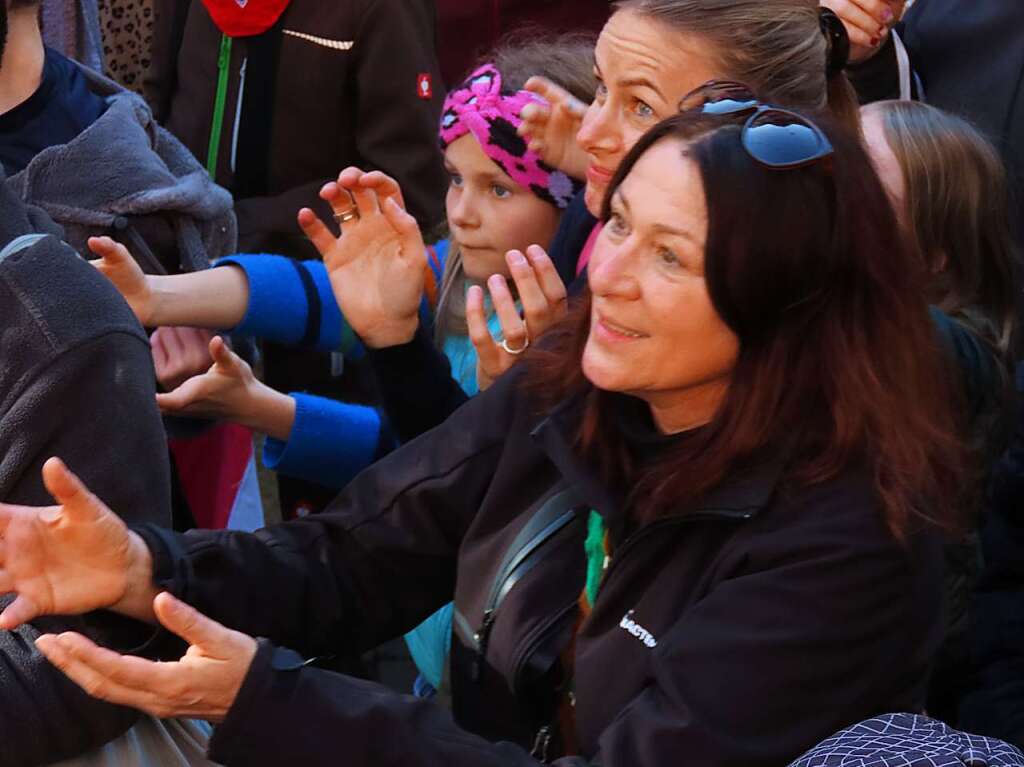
(543,298)
(203,684)
(71,558)
(179,354)
(229,390)
(377,267)
(550,129)
(223,391)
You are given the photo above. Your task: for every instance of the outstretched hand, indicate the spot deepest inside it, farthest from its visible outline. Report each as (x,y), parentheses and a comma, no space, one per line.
(229,390)
(543,298)
(223,391)
(67,559)
(550,130)
(377,267)
(203,684)
(117,265)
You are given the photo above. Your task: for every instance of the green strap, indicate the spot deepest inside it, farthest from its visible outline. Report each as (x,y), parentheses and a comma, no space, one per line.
(223,67)
(348,338)
(596,556)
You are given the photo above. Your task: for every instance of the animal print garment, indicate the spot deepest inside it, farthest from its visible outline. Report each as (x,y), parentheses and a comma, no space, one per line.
(127,29)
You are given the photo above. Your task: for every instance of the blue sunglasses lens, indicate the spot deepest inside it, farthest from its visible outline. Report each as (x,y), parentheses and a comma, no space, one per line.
(780,140)
(729,106)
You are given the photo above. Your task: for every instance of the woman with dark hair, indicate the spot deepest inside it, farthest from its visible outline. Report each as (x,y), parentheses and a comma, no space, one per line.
(701,523)
(650,54)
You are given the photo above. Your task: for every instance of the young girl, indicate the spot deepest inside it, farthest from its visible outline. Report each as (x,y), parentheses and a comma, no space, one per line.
(948,188)
(502,200)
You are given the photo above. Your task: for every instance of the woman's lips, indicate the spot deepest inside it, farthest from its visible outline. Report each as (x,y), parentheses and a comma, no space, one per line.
(598,175)
(615,333)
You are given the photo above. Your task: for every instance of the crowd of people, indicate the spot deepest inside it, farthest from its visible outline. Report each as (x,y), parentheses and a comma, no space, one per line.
(650,367)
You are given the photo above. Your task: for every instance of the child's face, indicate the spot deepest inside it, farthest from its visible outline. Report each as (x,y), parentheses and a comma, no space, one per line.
(489,214)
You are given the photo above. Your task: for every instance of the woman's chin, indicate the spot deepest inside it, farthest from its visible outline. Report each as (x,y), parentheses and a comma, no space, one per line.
(593,198)
(604,373)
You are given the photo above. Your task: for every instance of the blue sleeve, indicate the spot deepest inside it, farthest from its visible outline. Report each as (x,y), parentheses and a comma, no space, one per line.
(291,303)
(329,444)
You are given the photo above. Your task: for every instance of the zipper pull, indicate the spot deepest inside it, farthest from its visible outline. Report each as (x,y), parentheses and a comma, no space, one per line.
(481,638)
(541,744)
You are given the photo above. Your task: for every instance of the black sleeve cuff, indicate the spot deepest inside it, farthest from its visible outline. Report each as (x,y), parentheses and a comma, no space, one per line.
(229,744)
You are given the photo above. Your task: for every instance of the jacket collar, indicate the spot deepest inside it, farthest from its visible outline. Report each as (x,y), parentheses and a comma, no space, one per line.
(741,496)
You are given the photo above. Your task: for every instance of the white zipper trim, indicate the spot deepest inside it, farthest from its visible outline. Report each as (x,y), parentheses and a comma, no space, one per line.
(238,113)
(336,45)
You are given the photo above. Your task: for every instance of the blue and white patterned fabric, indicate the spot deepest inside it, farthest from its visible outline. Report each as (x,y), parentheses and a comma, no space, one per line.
(908,740)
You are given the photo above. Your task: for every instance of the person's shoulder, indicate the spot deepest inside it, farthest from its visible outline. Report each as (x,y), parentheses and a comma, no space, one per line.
(64,296)
(846,508)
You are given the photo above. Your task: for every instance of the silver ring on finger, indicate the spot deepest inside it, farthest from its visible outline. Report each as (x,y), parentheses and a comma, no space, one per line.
(526,343)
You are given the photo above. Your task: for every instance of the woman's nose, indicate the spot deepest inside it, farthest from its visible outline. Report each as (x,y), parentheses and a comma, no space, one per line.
(611,271)
(600,131)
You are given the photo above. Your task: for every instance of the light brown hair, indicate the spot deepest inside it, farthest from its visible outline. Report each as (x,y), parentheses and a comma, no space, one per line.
(956,209)
(777,47)
(567,61)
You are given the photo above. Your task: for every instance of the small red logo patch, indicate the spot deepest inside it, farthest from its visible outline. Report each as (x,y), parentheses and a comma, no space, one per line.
(424,88)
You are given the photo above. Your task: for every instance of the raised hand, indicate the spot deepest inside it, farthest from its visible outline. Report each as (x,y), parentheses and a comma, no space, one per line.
(551,130)
(202,685)
(71,558)
(118,266)
(229,390)
(543,298)
(867,22)
(377,267)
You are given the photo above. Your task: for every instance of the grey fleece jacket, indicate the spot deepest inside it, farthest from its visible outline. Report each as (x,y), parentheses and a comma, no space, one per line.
(76,381)
(127,177)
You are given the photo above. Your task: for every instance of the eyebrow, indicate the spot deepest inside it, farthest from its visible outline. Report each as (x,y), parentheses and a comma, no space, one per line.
(662,228)
(496,176)
(641,82)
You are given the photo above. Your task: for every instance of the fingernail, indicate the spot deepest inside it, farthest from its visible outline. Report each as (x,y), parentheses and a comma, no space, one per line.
(874,42)
(887,15)
(516,258)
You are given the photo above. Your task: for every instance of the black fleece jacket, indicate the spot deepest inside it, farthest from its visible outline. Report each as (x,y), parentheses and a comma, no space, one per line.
(739,632)
(77,382)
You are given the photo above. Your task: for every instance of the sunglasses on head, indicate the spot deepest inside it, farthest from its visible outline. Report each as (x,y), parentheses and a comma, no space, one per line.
(776,138)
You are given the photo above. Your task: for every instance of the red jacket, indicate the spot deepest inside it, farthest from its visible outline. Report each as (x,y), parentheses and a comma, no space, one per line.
(469,28)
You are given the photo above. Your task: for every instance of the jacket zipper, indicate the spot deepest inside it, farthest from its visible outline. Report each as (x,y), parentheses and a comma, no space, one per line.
(539,637)
(506,579)
(698,516)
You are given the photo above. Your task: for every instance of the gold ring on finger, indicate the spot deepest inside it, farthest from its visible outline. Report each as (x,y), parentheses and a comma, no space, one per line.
(349,214)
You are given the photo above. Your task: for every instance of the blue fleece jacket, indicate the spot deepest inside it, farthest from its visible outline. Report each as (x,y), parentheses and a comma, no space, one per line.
(291,303)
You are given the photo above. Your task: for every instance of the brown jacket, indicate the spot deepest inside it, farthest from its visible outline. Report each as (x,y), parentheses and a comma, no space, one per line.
(468,29)
(343,89)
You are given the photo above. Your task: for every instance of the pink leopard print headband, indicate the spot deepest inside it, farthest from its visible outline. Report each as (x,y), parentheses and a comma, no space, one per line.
(479,106)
